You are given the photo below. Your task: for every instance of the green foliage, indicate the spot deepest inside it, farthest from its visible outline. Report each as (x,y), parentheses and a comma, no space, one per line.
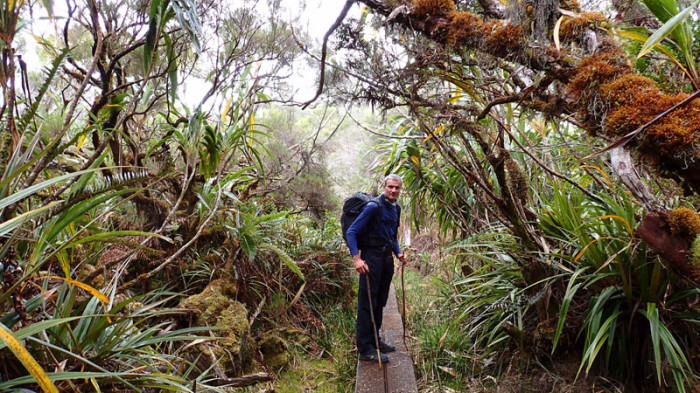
(162,11)
(676,24)
(595,272)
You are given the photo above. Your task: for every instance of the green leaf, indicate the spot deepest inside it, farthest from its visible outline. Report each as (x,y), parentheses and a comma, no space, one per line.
(13,316)
(48,5)
(69,216)
(18,196)
(653,315)
(682,36)
(568,296)
(155,22)
(172,66)
(7,338)
(285,258)
(51,72)
(80,184)
(593,348)
(37,327)
(13,223)
(100,237)
(186,11)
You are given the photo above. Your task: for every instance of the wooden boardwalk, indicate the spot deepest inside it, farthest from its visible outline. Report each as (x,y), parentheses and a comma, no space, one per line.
(396,376)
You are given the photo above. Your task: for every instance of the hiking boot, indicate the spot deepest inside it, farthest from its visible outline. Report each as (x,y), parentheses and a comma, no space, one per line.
(386,348)
(371,356)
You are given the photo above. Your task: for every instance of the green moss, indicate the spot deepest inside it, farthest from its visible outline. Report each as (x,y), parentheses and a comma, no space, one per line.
(275,350)
(215,306)
(695,253)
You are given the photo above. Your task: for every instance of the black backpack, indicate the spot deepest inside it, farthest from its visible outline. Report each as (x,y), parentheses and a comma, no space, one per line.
(352,207)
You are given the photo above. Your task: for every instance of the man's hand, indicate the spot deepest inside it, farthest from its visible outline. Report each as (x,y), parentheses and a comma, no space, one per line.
(402,258)
(360,265)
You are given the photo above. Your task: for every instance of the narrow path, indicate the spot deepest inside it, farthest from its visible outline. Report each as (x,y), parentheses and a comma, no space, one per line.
(397,376)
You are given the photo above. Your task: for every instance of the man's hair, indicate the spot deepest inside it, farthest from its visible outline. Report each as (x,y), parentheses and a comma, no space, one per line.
(393,176)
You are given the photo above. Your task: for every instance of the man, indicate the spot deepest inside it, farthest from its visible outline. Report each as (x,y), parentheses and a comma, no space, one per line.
(379,238)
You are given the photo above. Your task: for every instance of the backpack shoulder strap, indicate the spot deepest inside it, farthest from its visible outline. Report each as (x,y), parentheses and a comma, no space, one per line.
(398,211)
(378,215)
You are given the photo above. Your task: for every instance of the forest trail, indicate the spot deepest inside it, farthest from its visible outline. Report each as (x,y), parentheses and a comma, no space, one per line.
(397,375)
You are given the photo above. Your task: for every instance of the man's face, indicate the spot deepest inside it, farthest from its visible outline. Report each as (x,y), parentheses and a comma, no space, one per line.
(392,189)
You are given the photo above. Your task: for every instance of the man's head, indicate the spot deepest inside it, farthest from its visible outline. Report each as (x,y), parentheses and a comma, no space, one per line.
(392,187)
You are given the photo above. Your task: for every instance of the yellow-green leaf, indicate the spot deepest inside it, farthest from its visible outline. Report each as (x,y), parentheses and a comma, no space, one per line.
(27,360)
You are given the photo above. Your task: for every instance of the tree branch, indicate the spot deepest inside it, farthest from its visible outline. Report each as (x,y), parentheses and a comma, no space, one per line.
(338,21)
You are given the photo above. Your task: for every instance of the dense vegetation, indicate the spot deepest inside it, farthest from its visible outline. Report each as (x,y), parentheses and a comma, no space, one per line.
(155,241)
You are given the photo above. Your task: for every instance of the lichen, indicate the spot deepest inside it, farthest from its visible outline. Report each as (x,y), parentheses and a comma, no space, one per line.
(432,7)
(684,221)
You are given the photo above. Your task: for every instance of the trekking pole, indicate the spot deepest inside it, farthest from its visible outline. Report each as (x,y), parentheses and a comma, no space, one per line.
(374,324)
(403,300)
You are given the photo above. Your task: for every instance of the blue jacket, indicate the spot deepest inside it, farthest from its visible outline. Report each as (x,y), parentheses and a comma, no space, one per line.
(388,226)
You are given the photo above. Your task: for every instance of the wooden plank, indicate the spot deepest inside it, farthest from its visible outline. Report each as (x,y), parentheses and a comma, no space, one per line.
(400,377)
(397,375)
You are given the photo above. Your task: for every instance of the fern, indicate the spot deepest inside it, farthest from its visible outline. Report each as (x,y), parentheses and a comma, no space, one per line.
(50,74)
(284,257)
(110,182)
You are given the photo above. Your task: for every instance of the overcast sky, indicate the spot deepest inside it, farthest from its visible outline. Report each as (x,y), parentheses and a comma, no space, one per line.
(315,15)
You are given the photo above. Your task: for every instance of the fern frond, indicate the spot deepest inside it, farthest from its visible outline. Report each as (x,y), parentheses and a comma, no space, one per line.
(108,183)
(285,258)
(50,74)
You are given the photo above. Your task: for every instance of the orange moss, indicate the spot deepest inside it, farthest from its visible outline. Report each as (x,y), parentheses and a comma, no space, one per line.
(573,27)
(517,181)
(572,5)
(627,89)
(596,70)
(463,27)
(684,221)
(432,7)
(493,37)
(530,11)
(502,38)
(607,90)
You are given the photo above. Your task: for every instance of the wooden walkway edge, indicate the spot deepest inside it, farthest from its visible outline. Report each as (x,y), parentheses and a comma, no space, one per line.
(397,375)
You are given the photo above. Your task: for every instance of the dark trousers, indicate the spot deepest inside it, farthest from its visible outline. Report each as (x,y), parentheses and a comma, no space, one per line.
(381,271)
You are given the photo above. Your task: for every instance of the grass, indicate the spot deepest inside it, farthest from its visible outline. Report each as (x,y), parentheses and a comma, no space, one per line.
(326,362)
(438,347)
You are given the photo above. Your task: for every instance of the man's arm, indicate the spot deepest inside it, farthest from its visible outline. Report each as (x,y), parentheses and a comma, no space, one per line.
(351,235)
(397,249)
